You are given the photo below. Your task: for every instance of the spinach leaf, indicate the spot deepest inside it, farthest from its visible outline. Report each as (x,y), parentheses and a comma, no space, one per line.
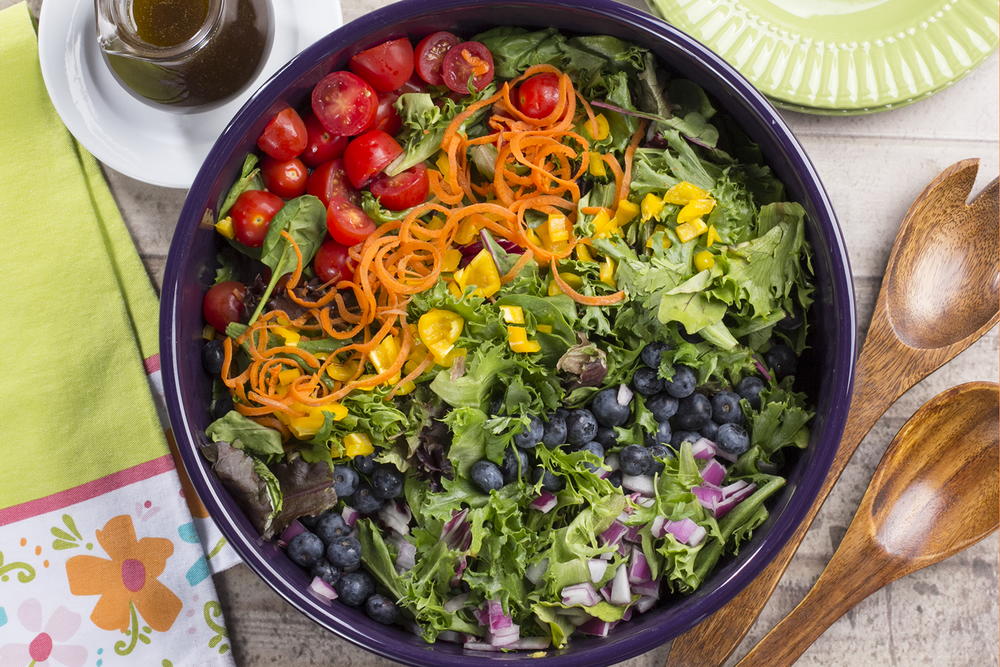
(246,434)
(304,218)
(249,180)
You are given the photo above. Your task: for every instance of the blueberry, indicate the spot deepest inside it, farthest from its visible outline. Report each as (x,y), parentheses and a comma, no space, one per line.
(222,406)
(354,588)
(616,478)
(381,609)
(750,388)
(364,464)
(345,481)
(331,526)
(710,430)
(486,475)
(652,354)
(364,500)
(325,571)
(693,412)
(663,406)
(647,381)
(635,460)
(694,338)
(791,322)
(532,435)
(555,429)
(581,427)
(661,436)
(550,481)
(345,553)
(211,357)
(726,408)
(597,450)
(659,452)
(682,382)
(607,409)
(515,461)
(683,436)
(606,436)
(733,439)
(305,549)
(387,482)
(781,359)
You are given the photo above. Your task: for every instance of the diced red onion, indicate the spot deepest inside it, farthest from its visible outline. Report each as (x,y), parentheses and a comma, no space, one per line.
(624,549)
(644,604)
(456,603)
(606,590)
(583,595)
(686,531)
(505,637)
(607,555)
(647,589)
(621,594)
(322,590)
(350,515)
(641,484)
(703,448)
(646,502)
(597,568)
(713,472)
(627,616)
(633,534)
(406,556)
(290,531)
(708,496)
(453,637)
(723,454)
(395,518)
(611,460)
(624,394)
(596,627)
(535,571)
(638,567)
(623,517)
(730,489)
(482,616)
(545,502)
(729,502)
(530,644)
(480,646)
(603,474)
(614,533)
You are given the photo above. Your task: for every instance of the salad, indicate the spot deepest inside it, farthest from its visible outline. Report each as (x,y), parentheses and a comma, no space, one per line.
(504,335)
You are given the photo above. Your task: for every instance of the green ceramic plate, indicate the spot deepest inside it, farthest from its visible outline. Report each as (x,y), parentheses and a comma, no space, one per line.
(843,56)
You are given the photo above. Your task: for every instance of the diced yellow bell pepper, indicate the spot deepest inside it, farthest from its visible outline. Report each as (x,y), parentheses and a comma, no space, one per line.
(342,372)
(651,207)
(544,328)
(703,259)
(517,338)
(455,290)
(695,209)
(598,129)
(571,279)
(384,354)
(626,212)
(683,193)
(291,337)
(450,261)
(583,253)
(467,231)
(357,444)
(442,163)
(597,167)
(558,228)
(288,376)
(418,354)
(438,330)
(607,273)
(690,230)
(526,347)
(480,273)
(512,314)
(225,227)
(309,425)
(437,222)
(604,226)
(712,237)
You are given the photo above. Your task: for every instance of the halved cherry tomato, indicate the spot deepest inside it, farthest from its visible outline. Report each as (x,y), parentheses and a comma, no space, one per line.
(387,118)
(538,96)
(430,53)
(344,103)
(386,66)
(464,62)
(347,223)
(285,136)
(404,190)
(332,263)
(368,155)
(329,181)
(287,179)
(251,214)
(224,303)
(322,145)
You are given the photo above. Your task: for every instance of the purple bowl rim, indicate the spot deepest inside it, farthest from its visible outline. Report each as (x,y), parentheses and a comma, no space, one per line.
(843,311)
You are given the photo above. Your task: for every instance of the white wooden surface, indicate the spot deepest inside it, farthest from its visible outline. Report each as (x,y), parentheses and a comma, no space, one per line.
(873,167)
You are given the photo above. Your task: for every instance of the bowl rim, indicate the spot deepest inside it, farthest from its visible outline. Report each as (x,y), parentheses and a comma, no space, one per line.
(609,652)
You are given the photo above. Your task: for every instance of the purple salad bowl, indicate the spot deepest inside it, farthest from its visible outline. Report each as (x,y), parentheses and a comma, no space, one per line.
(827,370)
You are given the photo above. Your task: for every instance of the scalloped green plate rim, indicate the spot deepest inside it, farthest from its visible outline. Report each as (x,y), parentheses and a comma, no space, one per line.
(843,57)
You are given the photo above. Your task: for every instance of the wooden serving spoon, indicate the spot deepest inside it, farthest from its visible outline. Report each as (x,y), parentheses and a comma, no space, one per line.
(933,494)
(939,295)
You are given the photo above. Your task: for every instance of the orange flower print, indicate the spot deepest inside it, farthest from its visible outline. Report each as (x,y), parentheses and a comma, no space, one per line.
(127,579)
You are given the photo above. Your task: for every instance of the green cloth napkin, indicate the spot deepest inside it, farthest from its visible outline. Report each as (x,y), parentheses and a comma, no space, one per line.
(79,314)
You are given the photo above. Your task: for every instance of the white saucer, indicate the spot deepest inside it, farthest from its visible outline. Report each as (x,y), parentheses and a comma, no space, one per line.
(142,142)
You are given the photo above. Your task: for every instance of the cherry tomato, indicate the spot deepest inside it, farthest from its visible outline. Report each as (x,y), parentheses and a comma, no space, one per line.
(538,96)
(286,179)
(386,66)
(322,145)
(332,263)
(403,190)
(347,223)
(285,136)
(387,118)
(251,214)
(329,181)
(430,53)
(344,103)
(224,303)
(465,61)
(368,155)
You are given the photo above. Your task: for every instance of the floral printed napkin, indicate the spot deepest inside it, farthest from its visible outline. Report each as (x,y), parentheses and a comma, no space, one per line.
(105,552)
